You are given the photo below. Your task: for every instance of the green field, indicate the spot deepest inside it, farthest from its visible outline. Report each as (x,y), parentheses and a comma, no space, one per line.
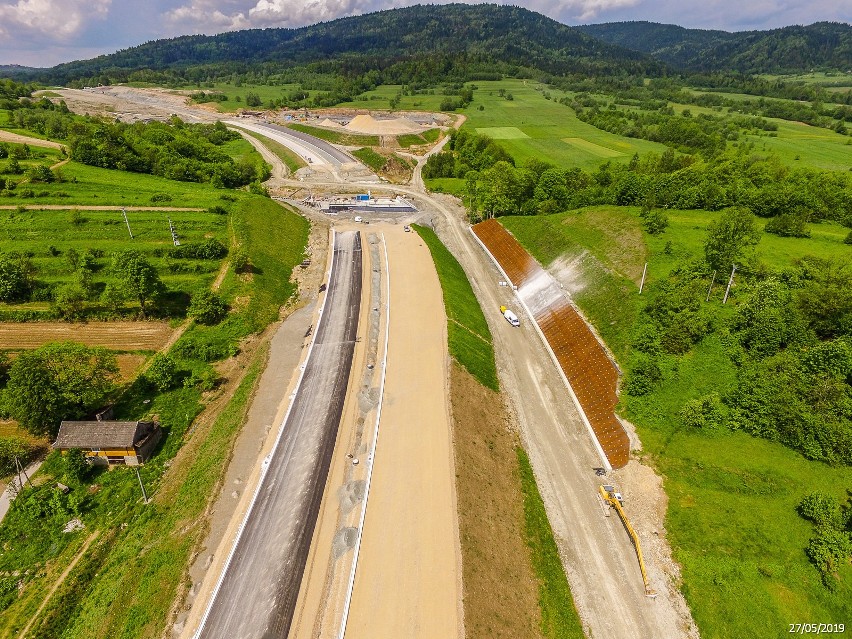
(42,233)
(291,160)
(795,143)
(84,185)
(538,128)
(732,518)
(337,137)
(380,97)
(468,336)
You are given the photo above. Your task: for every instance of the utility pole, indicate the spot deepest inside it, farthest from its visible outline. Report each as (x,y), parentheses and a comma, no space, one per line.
(174,233)
(126,221)
(642,284)
(730,281)
(709,290)
(141,485)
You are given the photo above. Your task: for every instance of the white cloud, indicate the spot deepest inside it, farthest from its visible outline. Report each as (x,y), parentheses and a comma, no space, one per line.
(582,10)
(211,16)
(60,19)
(207,16)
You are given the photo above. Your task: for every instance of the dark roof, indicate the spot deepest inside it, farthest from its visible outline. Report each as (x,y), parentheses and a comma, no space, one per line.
(102,434)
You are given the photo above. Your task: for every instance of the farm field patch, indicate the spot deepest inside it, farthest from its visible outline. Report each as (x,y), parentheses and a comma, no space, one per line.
(502,132)
(591,147)
(118,336)
(546,124)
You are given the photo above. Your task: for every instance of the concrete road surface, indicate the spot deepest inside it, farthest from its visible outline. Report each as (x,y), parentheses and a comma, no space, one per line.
(257,594)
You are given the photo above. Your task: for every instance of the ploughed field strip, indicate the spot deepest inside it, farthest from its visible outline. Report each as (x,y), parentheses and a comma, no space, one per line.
(592,375)
(256,597)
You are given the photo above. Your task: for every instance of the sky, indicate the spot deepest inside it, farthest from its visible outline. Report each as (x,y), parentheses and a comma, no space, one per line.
(43,33)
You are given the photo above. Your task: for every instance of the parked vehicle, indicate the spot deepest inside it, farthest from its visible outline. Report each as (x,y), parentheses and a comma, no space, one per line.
(510,316)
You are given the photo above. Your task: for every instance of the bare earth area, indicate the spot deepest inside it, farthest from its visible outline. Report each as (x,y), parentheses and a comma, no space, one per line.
(408,582)
(118,336)
(6,136)
(408,579)
(500,585)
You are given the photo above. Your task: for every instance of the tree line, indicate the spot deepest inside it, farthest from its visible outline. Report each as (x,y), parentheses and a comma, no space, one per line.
(174,150)
(494,186)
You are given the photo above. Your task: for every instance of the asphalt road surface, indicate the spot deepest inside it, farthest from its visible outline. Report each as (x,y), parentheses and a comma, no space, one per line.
(257,595)
(326,153)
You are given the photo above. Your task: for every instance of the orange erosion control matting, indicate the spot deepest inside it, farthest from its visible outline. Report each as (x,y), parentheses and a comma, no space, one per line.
(592,375)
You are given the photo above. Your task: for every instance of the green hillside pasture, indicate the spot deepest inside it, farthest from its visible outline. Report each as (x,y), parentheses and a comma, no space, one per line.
(429,136)
(42,233)
(800,144)
(242,151)
(544,129)
(369,157)
(274,239)
(796,143)
(84,185)
(732,518)
(601,252)
(453,186)
(688,229)
(468,336)
(380,97)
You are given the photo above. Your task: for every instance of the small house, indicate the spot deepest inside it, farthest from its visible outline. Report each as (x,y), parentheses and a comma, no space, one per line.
(110,443)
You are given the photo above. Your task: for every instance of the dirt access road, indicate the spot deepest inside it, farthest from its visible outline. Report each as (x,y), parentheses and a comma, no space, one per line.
(597,554)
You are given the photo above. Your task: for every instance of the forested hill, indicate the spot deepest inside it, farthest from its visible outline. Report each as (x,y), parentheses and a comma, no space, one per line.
(443,40)
(823,45)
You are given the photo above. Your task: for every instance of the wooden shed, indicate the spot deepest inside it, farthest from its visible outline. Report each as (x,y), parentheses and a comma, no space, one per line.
(110,442)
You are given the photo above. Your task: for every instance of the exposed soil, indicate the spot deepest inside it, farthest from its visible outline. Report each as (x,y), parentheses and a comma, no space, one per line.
(500,586)
(129,365)
(119,336)
(6,136)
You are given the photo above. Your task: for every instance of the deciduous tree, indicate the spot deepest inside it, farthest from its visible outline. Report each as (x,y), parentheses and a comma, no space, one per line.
(57,381)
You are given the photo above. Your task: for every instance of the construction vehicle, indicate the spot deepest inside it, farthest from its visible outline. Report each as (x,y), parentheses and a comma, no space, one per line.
(510,316)
(612,497)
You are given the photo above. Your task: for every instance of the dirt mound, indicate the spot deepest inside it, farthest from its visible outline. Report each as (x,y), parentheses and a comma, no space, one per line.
(369,124)
(330,123)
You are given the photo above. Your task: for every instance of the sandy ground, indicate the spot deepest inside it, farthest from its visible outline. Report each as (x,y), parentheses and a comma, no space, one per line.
(408,580)
(132,104)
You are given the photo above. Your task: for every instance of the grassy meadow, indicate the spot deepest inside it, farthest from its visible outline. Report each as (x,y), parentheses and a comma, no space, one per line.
(531,126)
(468,335)
(732,518)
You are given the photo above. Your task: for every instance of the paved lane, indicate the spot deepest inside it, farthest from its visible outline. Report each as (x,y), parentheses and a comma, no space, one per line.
(311,148)
(257,595)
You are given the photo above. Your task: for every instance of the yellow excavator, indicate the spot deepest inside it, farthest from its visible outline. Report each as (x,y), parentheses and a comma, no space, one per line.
(612,497)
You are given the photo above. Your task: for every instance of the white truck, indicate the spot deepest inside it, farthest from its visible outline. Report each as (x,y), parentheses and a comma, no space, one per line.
(510,316)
